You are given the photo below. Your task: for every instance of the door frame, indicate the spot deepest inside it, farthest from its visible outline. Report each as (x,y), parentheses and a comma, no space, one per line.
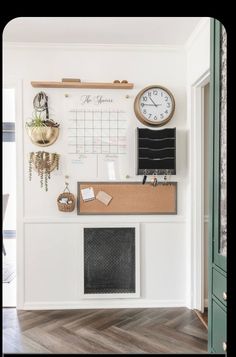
(197,192)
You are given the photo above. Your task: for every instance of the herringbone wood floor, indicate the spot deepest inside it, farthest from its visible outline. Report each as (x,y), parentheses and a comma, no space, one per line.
(156,330)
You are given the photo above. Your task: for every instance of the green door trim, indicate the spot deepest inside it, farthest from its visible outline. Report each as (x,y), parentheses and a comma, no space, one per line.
(219,259)
(216,260)
(210,180)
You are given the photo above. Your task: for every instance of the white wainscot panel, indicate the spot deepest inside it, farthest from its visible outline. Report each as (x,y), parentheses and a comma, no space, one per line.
(163,261)
(51,262)
(53,271)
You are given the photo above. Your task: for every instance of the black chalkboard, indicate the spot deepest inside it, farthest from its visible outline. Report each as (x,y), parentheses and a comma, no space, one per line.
(109,260)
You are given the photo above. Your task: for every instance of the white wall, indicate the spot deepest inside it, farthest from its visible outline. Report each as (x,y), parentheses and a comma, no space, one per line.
(198,51)
(48,239)
(198,70)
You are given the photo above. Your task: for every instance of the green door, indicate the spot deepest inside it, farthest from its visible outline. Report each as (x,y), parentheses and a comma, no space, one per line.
(217,187)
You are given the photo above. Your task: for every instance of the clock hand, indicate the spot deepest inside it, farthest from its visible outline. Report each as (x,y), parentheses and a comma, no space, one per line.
(151,105)
(156,105)
(153,101)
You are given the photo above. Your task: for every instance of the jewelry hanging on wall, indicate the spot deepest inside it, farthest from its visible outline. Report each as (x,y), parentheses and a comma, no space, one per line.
(165,178)
(154,179)
(169,178)
(145,176)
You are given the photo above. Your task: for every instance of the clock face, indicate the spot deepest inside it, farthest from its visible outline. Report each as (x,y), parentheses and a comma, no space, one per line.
(154,105)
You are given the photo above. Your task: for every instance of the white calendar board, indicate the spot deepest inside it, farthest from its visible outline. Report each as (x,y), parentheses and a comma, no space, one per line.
(98,134)
(94,131)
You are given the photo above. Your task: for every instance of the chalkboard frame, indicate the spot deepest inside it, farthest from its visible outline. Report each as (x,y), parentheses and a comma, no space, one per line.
(83,295)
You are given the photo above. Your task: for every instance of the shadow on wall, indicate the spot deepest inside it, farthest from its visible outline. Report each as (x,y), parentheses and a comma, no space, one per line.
(181,152)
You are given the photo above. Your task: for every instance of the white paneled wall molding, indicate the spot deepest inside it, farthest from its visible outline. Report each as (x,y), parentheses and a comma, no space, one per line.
(48,240)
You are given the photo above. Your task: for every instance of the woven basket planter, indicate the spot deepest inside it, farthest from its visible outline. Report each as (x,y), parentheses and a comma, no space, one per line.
(66,207)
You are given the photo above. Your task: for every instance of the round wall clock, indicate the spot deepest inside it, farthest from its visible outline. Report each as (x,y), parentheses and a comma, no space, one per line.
(154,105)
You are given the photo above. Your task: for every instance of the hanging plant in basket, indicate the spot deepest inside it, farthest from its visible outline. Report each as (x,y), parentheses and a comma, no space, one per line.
(42,131)
(44,163)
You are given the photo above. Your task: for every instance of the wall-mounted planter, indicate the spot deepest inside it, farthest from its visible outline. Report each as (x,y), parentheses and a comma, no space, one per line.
(44,163)
(43,136)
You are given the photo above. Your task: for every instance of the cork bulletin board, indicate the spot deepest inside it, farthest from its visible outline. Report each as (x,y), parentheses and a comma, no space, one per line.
(130,198)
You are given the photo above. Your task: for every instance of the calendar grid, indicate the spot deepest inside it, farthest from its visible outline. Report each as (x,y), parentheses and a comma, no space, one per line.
(97,132)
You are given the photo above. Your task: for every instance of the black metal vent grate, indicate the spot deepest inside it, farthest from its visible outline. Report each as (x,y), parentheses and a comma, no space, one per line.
(109,260)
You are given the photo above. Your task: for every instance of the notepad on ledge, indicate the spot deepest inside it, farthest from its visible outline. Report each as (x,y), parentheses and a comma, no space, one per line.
(104,197)
(87,194)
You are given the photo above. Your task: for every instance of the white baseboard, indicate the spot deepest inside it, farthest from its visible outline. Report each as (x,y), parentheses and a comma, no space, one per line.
(85,304)
(205,302)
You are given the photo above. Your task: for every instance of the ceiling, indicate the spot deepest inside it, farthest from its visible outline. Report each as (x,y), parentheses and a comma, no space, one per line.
(101,30)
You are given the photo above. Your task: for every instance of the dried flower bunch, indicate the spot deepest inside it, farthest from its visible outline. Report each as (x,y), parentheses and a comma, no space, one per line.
(44,163)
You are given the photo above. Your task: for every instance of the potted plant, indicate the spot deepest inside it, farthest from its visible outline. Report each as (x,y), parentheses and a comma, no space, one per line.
(42,132)
(44,163)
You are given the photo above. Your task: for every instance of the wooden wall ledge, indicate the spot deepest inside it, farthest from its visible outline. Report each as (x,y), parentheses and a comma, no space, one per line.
(82,85)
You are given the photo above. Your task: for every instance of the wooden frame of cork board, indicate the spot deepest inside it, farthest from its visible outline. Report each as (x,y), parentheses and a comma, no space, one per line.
(129,198)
